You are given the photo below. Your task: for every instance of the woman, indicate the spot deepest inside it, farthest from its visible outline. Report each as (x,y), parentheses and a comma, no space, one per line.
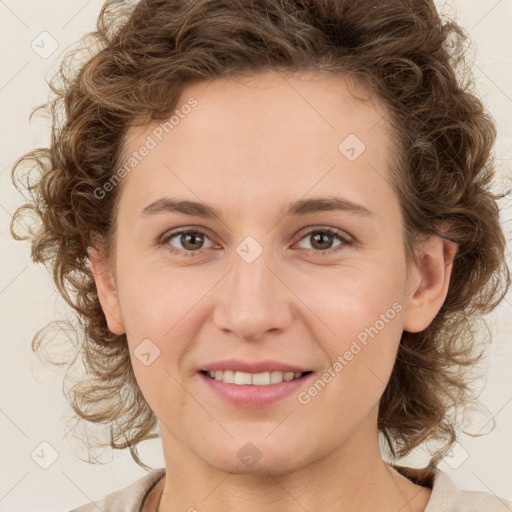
(274,222)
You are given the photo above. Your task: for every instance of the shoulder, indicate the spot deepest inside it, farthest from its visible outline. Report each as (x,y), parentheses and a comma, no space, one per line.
(447,497)
(128,499)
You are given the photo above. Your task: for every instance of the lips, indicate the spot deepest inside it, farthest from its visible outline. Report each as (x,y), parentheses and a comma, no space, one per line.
(255,396)
(253,366)
(229,380)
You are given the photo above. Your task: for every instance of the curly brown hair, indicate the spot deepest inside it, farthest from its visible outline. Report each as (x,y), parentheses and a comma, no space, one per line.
(141,58)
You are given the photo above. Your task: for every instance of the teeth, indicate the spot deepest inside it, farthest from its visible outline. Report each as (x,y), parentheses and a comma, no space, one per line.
(255,379)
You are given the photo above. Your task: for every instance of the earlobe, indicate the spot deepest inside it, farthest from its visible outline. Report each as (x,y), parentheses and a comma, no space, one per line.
(107,292)
(428,283)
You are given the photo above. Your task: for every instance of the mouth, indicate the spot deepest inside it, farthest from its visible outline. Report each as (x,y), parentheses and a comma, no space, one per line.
(253,379)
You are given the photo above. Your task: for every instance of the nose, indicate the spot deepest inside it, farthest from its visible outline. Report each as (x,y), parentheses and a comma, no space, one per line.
(253,299)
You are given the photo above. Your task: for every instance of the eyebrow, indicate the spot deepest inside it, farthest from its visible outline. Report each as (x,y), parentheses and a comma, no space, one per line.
(300,207)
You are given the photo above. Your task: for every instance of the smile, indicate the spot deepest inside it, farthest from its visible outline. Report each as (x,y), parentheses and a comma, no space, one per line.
(254,379)
(254,390)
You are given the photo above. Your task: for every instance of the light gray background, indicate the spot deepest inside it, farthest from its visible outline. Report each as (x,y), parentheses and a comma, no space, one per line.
(32,407)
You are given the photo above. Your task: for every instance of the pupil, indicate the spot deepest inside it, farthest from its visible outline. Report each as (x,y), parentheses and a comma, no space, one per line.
(318,237)
(190,238)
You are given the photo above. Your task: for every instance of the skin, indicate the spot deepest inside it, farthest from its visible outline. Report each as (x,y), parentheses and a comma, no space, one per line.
(248,149)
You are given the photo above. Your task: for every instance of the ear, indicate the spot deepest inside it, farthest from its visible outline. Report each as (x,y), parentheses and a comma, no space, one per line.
(428,283)
(107,292)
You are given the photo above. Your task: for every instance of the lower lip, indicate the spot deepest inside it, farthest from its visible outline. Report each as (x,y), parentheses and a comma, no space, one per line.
(252,396)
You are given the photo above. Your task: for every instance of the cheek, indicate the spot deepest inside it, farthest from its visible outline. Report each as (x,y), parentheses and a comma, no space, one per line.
(163,314)
(156,300)
(353,299)
(362,354)
(363,311)
(155,313)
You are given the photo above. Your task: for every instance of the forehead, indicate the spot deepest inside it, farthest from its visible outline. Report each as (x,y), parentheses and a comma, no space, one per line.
(271,135)
(267,102)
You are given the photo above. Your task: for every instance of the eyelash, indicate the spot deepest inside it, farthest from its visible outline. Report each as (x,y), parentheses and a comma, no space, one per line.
(164,241)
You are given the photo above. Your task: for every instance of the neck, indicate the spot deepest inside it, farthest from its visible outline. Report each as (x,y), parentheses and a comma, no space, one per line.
(346,480)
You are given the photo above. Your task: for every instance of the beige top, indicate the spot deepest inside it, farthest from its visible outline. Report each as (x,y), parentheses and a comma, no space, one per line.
(445,496)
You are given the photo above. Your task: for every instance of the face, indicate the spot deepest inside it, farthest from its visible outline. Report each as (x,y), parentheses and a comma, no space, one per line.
(296,260)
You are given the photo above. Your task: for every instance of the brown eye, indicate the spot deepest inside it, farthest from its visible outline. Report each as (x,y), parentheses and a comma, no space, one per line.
(322,240)
(191,240)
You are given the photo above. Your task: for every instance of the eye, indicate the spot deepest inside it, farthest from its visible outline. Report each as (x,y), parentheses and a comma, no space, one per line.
(187,240)
(190,241)
(321,240)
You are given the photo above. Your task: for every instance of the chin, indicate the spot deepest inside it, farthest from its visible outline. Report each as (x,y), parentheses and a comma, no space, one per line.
(259,458)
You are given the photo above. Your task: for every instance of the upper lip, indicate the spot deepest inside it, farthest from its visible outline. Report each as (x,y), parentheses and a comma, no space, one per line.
(253,366)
